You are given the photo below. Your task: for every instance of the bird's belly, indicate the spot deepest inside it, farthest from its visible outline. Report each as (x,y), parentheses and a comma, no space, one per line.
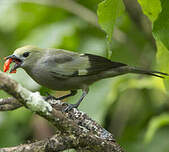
(60,84)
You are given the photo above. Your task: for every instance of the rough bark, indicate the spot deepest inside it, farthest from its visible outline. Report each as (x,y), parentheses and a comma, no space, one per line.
(76,129)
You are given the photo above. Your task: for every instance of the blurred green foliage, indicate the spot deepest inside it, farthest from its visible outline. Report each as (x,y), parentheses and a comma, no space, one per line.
(133,107)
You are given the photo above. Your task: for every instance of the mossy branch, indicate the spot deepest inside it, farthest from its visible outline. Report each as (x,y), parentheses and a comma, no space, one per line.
(76,129)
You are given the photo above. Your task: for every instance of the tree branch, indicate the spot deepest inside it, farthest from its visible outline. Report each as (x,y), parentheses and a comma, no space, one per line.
(9,104)
(80,130)
(56,143)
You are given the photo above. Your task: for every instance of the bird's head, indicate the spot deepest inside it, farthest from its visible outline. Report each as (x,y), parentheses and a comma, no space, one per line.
(24,56)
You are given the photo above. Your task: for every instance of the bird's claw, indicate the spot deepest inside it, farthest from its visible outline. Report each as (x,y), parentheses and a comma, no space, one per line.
(70,107)
(50,97)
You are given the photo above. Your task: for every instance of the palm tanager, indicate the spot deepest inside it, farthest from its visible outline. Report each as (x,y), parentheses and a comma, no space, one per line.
(59,69)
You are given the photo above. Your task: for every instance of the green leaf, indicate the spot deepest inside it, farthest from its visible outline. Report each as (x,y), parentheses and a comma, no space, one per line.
(151,8)
(155,124)
(157,11)
(108,12)
(160,33)
(162,60)
(161,25)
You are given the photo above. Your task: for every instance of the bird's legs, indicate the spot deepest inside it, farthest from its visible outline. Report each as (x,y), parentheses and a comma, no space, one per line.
(72,93)
(71,106)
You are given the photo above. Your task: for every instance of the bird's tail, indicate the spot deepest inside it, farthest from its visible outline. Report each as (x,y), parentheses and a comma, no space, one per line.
(147,72)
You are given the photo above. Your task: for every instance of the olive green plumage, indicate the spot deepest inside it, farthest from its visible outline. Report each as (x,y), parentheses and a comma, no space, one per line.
(59,69)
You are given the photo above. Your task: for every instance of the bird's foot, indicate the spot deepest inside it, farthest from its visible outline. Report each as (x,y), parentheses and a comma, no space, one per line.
(70,107)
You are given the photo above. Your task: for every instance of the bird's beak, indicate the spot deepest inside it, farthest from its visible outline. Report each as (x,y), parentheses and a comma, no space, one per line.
(17,60)
(12,57)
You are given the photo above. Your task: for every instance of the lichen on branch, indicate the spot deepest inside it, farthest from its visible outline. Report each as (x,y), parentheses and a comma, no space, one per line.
(76,129)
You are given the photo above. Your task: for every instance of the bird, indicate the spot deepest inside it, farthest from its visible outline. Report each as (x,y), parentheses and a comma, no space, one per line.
(64,70)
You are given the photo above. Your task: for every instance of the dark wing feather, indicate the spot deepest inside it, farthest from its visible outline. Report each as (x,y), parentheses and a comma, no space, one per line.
(99,64)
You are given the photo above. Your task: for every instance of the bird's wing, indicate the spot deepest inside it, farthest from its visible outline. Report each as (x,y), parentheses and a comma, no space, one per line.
(99,64)
(68,64)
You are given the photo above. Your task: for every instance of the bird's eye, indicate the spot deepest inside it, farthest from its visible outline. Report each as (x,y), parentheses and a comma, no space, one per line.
(26,54)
